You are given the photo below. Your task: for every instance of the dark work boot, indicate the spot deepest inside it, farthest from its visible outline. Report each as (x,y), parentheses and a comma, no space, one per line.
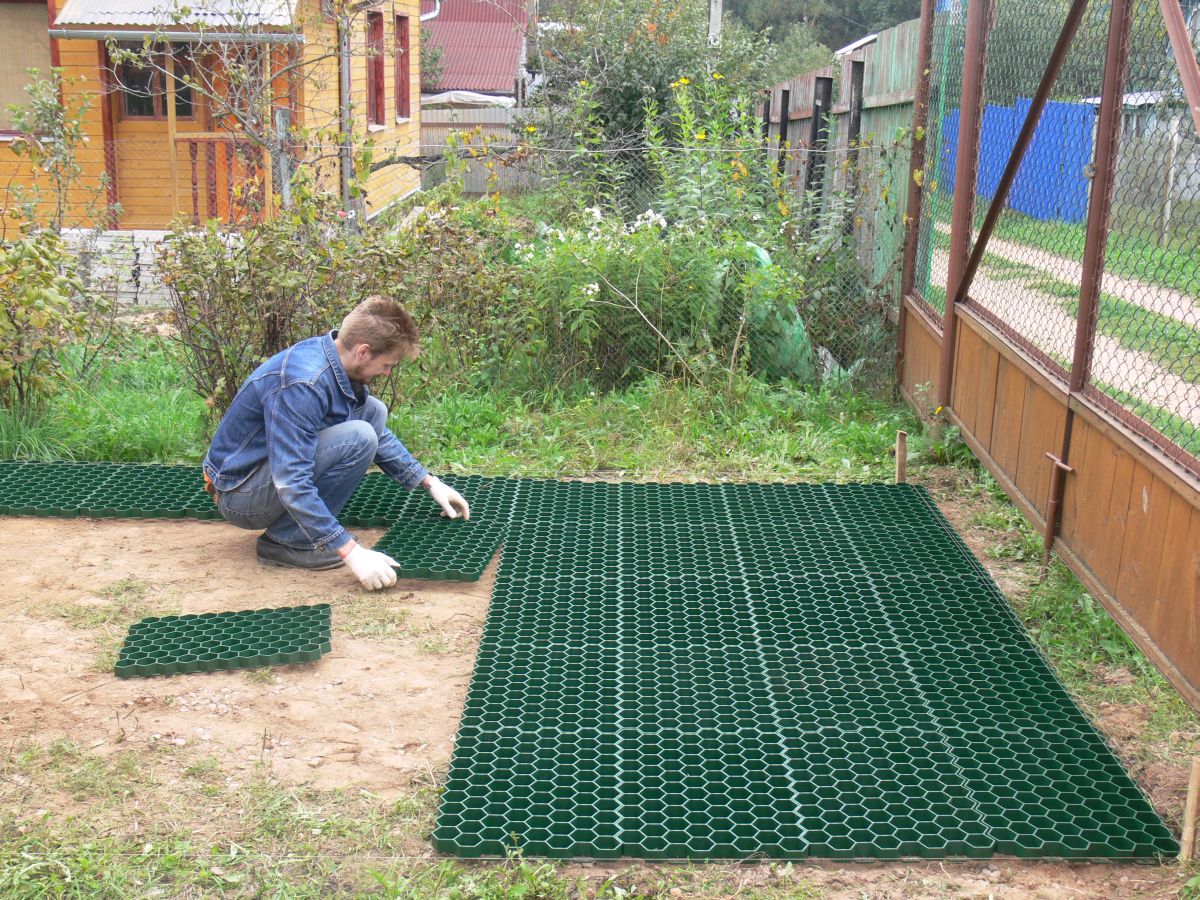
(271,553)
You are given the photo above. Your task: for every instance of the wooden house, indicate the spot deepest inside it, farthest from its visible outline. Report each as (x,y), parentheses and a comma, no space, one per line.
(169,136)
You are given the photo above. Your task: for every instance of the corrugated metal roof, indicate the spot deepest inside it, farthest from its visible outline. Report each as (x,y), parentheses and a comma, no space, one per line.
(217,14)
(481,42)
(509,12)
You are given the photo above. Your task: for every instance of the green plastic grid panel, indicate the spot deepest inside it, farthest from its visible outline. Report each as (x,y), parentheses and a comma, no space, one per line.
(169,645)
(104,490)
(433,547)
(727,670)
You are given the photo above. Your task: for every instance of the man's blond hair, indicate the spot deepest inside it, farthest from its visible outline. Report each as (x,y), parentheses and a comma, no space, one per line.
(381,324)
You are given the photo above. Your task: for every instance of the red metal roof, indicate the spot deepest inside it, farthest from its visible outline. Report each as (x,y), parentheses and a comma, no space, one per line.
(481,42)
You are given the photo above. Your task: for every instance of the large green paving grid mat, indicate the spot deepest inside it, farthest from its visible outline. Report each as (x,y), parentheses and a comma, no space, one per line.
(722,671)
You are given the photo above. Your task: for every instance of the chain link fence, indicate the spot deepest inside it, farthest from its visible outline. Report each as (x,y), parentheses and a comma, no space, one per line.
(635,259)
(1145,349)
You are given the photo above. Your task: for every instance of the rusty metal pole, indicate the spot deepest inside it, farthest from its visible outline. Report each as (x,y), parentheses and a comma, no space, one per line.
(916,179)
(1181,46)
(1108,133)
(967,164)
(1038,103)
(916,165)
(1104,165)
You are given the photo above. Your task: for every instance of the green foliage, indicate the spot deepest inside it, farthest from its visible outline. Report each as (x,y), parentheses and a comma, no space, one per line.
(239,296)
(1063,617)
(50,136)
(797,50)
(432,64)
(628,53)
(136,408)
(36,316)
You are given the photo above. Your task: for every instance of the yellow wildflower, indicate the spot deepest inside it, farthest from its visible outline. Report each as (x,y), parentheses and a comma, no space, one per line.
(718,76)
(701,135)
(531,129)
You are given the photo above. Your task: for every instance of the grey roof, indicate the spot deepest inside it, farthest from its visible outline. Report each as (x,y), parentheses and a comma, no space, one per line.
(217,14)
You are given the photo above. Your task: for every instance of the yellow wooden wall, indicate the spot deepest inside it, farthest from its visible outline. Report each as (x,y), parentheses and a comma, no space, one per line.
(142,153)
(80,61)
(320,102)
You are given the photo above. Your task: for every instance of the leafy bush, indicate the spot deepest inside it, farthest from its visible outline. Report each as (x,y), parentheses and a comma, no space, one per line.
(240,296)
(37,316)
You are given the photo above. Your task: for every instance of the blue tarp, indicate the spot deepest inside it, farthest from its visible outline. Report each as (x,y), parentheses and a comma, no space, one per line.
(1050,184)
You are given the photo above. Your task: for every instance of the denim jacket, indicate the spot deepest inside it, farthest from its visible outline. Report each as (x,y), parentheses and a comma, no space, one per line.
(275,418)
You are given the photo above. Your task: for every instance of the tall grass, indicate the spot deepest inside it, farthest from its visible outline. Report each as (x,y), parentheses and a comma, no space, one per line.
(139,406)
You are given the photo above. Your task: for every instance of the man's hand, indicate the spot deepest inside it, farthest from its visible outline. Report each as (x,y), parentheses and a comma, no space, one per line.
(374,570)
(450,500)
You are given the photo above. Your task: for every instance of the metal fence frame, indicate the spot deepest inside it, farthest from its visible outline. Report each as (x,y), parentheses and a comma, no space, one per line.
(1117,500)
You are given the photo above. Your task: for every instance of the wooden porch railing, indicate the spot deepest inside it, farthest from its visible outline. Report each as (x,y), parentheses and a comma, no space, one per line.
(230,177)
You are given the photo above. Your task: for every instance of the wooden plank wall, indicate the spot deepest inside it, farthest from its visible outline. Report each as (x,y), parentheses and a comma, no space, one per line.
(395,137)
(80,61)
(1130,525)
(889,80)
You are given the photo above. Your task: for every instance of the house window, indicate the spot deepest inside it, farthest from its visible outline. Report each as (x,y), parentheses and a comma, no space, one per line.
(142,84)
(26,46)
(376,104)
(403,66)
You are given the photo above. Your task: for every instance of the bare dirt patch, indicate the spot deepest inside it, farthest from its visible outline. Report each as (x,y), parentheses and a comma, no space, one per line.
(377,711)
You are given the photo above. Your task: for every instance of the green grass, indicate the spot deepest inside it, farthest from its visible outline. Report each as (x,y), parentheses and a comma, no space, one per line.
(1128,254)
(143,410)
(1175,266)
(1172,344)
(137,406)
(1177,429)
(1075,632)
(658,429)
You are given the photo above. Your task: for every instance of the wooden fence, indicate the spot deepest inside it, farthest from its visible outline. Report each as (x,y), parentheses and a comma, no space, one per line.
(490,125)
(1118,501)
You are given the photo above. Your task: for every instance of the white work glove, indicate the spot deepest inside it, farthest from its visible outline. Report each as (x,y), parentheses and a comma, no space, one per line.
(374,570)
(450,500)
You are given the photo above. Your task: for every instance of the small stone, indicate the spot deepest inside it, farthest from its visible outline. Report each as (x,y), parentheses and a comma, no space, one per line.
(315,762)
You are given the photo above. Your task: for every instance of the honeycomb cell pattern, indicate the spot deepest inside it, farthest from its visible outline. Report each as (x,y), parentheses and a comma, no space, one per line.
(722,671)
(706,671)
(104,491)
(168,645)
(442,549)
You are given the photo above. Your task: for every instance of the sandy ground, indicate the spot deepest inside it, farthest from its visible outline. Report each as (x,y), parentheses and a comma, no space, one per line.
(364,714)
(379,713)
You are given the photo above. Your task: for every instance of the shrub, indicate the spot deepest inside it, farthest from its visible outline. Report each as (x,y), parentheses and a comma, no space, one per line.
(37,316)
(240,296)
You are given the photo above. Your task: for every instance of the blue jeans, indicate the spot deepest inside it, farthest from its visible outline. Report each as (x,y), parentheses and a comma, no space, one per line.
(344,453)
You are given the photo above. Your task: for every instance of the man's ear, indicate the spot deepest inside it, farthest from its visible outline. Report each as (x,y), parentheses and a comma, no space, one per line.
(362,352)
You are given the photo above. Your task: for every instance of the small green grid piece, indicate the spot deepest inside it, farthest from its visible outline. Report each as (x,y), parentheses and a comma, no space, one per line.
(433,547)
(170,645)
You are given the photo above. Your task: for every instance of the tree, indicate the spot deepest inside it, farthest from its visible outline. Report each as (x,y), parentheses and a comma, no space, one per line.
(797,52)
(628,53)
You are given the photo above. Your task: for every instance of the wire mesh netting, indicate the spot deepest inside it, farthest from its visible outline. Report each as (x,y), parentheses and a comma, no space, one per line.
(690,261)
(941,134)
(1146,361)
(1145,350)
